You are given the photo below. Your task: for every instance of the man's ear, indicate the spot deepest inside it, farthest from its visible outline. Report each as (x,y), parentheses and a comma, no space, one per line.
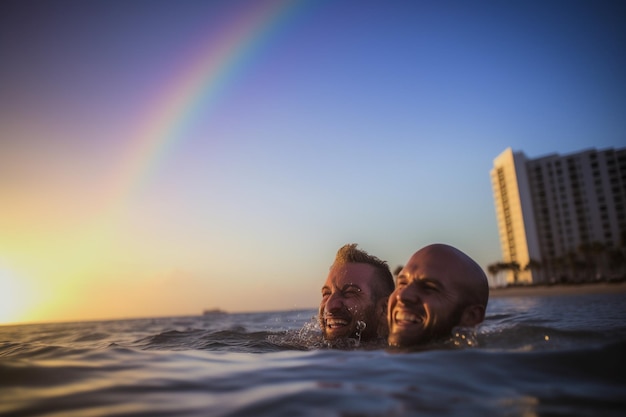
(472,315)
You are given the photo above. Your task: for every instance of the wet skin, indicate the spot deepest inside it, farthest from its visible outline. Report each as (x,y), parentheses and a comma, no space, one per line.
(347,299)
(428,301)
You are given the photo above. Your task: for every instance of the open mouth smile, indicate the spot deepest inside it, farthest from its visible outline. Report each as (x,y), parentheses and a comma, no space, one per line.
(335,323)
(405,318)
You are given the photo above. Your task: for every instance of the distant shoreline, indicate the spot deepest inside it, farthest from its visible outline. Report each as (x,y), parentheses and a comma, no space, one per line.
(558,289)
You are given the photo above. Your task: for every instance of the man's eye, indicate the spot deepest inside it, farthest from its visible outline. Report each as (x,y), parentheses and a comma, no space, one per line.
(400,283)
(351,291)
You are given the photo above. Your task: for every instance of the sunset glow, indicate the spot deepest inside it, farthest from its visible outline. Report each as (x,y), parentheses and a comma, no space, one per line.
(160,159)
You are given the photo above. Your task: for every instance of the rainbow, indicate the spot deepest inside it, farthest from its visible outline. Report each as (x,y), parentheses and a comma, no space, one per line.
(199,83)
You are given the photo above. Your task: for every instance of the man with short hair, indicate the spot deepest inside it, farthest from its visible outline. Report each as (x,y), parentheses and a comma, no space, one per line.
(354,297)
(438,289)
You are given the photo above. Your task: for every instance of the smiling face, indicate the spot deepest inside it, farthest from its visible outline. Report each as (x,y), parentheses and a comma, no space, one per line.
(434,293)
(348,296)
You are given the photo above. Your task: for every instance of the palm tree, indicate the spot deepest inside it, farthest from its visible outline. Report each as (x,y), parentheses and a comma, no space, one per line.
(592,259)
(559,263)
(494,270)
(514,267)
(532,266)
(573,265)
(598,251)
(617,263)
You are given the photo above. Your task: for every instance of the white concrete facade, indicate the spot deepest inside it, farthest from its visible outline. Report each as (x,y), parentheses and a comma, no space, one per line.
(550,210)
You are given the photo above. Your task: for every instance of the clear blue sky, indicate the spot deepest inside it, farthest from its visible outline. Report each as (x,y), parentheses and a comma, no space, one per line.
(354,121)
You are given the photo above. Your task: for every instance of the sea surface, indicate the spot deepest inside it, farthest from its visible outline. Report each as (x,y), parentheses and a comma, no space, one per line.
(533,356)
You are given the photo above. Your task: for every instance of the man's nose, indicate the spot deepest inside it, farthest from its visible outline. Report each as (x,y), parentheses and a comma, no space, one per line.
(334,302)
(409,294)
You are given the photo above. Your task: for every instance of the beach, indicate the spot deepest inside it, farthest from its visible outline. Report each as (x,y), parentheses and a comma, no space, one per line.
(558,289)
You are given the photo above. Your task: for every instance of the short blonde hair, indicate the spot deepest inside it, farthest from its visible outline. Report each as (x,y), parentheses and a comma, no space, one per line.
(349,253)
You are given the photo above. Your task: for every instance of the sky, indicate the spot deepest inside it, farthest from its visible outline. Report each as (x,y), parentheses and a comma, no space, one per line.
(159,158)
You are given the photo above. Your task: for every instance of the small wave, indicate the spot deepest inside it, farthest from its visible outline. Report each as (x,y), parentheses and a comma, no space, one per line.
(253,342)
(35,351)
(170,339)
(92,337)
(222,340)
(526,337)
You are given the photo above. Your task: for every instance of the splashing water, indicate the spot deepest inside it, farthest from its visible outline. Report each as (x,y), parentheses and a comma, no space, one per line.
(309,336)
(360,326)
(349,342)
(463,337)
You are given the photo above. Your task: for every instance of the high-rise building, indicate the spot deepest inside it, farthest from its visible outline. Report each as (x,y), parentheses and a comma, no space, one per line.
(560,217)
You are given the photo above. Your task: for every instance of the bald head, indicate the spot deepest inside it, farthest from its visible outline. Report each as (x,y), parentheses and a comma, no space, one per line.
(464,271)
(438,289)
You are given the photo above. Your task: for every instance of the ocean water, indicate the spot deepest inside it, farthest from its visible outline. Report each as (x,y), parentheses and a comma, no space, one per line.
(533,356)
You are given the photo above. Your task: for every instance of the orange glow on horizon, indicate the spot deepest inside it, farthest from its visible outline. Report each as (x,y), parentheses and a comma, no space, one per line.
(16,297)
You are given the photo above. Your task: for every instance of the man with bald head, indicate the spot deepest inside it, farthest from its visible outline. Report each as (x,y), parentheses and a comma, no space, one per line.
(438,289)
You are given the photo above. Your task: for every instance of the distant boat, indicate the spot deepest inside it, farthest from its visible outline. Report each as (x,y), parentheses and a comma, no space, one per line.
(213,311)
